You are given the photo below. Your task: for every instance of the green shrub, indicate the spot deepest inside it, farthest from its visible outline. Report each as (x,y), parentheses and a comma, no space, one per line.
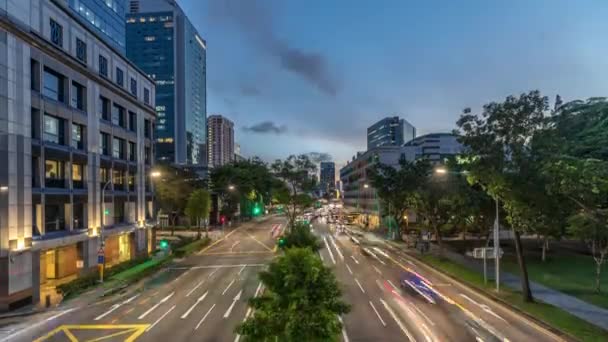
(300,236)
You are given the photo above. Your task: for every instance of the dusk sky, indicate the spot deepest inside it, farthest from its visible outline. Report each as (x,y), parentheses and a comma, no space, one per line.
(310,76)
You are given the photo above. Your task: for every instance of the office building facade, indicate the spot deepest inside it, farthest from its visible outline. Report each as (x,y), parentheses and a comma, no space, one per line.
(390,131)
(434,147)
(327,177)
(165,45)
(68,129)
(105,17)
(220,141)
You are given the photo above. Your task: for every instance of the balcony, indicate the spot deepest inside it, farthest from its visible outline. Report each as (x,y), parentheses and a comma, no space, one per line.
(58,183)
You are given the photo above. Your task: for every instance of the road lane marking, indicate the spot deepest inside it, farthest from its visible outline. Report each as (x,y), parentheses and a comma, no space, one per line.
(234,244)
(238,337)
(204,317)
(160,318)
(331,254)
(333,242)
(484,307)
(218,266)
(257,290)
(377,270)
(377,313)
(348,267)
(200,299)
(196,287)
(399,323)
(218,241)
(374,256)
(353,257)
(234,300)
(227,287)
(212,273)
(422,314)
(241,270)
(142,316)
(360,287)
(381,252)
(115,307)
(144,301)
(393,285)
(180,276)
(129,311)
(321,256)
(344,335)
(260,243)
(426,333)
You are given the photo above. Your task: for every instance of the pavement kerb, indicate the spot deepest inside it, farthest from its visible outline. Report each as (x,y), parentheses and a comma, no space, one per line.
(536,322)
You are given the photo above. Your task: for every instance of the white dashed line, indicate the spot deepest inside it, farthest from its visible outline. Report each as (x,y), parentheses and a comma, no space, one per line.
(360,287)
(377,313)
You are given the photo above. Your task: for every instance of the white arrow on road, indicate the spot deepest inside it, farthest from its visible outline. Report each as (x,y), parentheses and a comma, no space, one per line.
(142,316)
(234,300)
(115,307)
(200,299)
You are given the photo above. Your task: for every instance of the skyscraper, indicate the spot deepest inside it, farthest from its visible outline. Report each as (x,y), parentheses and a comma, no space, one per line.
(390,131)
(164,43)
(105,17)
(328,175)
(220,142)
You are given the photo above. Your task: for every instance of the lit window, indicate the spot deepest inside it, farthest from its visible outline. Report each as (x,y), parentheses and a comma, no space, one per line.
(142,20)
(150,38)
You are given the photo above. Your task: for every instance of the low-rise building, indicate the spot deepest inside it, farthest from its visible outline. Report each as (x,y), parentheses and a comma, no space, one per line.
(70,127)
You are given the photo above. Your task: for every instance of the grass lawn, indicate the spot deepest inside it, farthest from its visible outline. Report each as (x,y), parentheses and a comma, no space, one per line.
(569,273)
(544,312)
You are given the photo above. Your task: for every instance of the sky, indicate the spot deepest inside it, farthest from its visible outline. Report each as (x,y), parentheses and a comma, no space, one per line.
(311,76)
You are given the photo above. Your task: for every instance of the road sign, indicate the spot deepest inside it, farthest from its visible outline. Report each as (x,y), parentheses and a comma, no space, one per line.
(100,256)
(478,253)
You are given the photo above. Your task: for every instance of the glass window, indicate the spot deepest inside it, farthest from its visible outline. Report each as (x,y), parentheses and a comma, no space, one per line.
(81,50)
(133,87)
(104,146)
(118,177)
(147,155)
(104,105)
(78,94)
(118,115)
(132,121)
(77,172)
(56,33)
(77,137)
(132,151)
(147,95)
(146,128)
(53,85)
(117,148)
(103,66)
(120,77)
(53,169)
(51,129)
(103,174)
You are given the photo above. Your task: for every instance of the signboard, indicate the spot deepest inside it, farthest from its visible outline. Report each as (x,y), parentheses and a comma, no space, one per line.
(478,253)
(100,256)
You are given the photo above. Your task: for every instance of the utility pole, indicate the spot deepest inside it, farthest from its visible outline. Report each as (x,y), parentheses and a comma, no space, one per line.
(497,247)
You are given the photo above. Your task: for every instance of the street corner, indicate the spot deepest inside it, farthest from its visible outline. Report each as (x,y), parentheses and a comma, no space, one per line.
(94,332)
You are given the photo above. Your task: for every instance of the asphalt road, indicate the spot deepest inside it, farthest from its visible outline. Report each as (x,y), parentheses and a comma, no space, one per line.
(202,298)
(383,311)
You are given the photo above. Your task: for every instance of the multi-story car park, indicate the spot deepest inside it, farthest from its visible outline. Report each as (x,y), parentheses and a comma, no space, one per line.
(75,116)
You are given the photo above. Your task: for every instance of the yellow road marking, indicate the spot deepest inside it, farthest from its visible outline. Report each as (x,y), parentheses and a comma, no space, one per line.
(111,335)
(135,329)
(218,241)
(260,242)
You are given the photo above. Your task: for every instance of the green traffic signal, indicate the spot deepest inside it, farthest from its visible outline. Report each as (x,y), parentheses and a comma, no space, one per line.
(281,242)
(164,244)
(256,210)
(106,212)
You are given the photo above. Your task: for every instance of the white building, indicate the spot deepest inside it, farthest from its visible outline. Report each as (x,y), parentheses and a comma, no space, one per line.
(75,116)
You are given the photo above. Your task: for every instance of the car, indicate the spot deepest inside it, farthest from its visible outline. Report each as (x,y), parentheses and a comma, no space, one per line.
(413,281)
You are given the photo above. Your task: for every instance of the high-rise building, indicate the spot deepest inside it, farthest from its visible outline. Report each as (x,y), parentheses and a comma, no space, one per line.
(390,131)
(164,44)
(327,176)
(220,141)
(434,147)
(75,131)
(105,17)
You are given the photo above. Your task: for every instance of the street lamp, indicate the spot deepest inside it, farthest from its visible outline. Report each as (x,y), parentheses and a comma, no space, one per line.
(155,174)
(3,188)
(231,187)
(441,170)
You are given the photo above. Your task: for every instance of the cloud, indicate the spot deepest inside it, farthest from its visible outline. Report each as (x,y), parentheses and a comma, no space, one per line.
(255,19)
(249,90)
(317,157)
(266,127)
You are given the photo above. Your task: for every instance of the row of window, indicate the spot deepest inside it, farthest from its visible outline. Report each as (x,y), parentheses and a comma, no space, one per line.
(81,55)
(55,176)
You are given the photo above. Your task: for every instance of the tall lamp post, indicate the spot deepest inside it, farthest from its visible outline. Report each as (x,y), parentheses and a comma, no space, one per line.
(442,171)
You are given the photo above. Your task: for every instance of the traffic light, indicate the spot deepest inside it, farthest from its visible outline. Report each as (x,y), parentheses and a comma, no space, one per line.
(106,212)
(281,242)
(222,219)
(164,244)
(256,210)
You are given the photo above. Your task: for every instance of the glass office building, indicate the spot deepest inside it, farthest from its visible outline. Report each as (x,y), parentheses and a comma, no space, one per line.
(390,131)
(106,17)
(165,45)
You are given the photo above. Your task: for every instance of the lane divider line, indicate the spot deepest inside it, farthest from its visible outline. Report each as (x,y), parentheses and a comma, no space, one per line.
(348,268)
(204,317)
(377,270)
(234,300)
(241,270)
(422,314)
(142,316)
(353,257)
(160,318)
(377,313)
(333,242)
(227,287)
(196,287)
(360,287)
(331,254)
(344,335)
(399,323)
(200,299)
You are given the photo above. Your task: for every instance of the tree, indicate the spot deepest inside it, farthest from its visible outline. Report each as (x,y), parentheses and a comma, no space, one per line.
(501,159)
(576,161)
(296,172)
(197,209)
(398,187)
(300,236)
(301,301)
(172,190)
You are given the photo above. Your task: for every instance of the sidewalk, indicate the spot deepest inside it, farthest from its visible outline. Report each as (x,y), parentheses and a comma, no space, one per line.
(576,307)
